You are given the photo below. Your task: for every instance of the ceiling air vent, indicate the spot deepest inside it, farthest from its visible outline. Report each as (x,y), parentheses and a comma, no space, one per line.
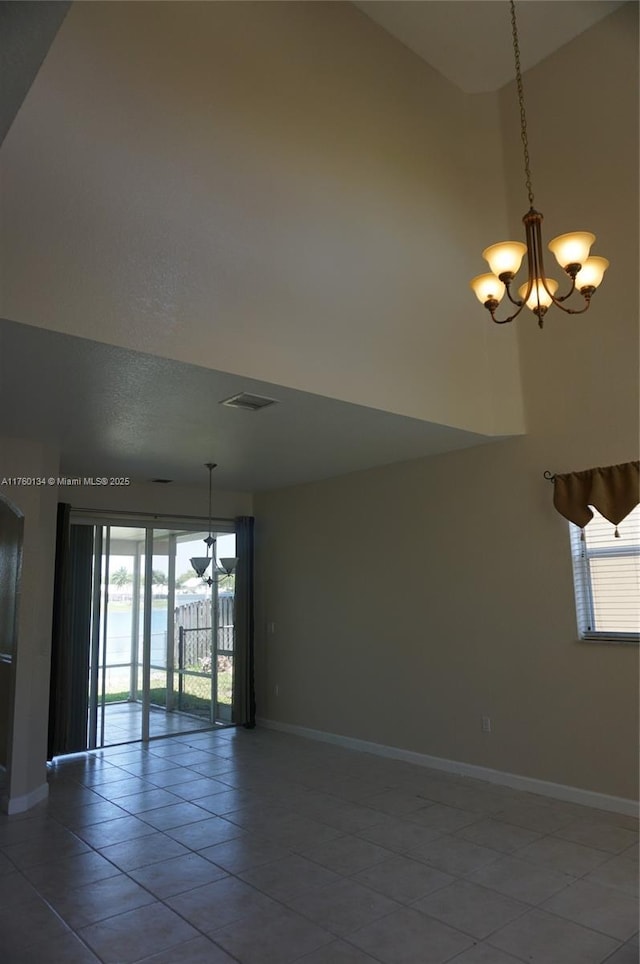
(250,403)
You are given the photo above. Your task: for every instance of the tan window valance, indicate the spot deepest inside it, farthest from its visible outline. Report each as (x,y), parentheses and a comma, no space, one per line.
(614,490)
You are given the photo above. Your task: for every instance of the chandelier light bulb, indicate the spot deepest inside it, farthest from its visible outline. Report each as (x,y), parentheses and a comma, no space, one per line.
(539,293)
(487,288)
(573,248)
(591,273)
(505,257)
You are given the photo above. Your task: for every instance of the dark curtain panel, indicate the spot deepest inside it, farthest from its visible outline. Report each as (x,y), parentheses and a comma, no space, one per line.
(244,701)
(70,644)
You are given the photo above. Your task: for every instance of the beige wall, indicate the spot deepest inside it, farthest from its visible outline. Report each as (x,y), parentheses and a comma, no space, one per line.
(278,190)
(411,600)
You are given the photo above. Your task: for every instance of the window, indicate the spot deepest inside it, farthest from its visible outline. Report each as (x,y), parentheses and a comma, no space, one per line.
(606,572)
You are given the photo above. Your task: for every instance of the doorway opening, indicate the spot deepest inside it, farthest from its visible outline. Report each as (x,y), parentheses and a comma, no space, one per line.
(161,651)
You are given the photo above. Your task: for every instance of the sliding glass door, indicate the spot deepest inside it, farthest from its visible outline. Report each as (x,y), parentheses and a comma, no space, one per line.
(162,641)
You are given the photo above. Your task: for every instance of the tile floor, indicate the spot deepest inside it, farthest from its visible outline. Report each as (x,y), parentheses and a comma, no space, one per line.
(123,723)
(264,848)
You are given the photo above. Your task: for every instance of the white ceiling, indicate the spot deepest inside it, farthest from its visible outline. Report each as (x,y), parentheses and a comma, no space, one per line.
(469,41)
(112,411)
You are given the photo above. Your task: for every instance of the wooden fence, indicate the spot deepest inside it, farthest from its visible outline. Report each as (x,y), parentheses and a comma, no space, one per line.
(193,631)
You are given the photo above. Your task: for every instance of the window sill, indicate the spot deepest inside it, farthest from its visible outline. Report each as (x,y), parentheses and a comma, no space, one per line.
(611,639)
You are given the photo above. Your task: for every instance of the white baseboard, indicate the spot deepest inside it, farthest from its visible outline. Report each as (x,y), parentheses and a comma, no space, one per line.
(12,805)
(586,798)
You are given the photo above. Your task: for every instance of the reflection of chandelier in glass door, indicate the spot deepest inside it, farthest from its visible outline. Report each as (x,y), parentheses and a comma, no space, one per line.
(201,563)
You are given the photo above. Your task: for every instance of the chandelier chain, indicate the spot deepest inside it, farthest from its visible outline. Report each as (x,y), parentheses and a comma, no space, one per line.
(523,114)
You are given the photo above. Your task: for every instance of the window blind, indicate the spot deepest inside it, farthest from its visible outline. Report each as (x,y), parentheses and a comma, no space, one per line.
(607,577)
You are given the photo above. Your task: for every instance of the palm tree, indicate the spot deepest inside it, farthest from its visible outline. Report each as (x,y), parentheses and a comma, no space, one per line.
(121,577)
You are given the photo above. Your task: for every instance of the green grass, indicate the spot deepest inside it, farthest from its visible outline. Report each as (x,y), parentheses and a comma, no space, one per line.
(195,696)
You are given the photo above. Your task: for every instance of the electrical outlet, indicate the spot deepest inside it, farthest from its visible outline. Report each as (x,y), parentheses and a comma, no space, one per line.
(271,628)
(276,689)
(486,724)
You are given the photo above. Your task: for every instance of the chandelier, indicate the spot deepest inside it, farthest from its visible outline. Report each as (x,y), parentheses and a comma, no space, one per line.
(201,563)
(571,250)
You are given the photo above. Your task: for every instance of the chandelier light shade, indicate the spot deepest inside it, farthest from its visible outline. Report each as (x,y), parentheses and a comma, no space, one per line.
(200,564)
(488,288)
(541,293)
(571,251)
(505,257)
(573,248)
(590,274)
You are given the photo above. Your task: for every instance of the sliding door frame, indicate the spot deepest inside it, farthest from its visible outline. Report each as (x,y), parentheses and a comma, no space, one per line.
(94,659)
(103,521)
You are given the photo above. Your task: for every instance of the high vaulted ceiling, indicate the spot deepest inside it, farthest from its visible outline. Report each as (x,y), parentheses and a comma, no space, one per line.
(469,41)
(115,411)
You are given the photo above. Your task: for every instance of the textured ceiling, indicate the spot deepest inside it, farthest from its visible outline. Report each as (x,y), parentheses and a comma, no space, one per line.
(112,411)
